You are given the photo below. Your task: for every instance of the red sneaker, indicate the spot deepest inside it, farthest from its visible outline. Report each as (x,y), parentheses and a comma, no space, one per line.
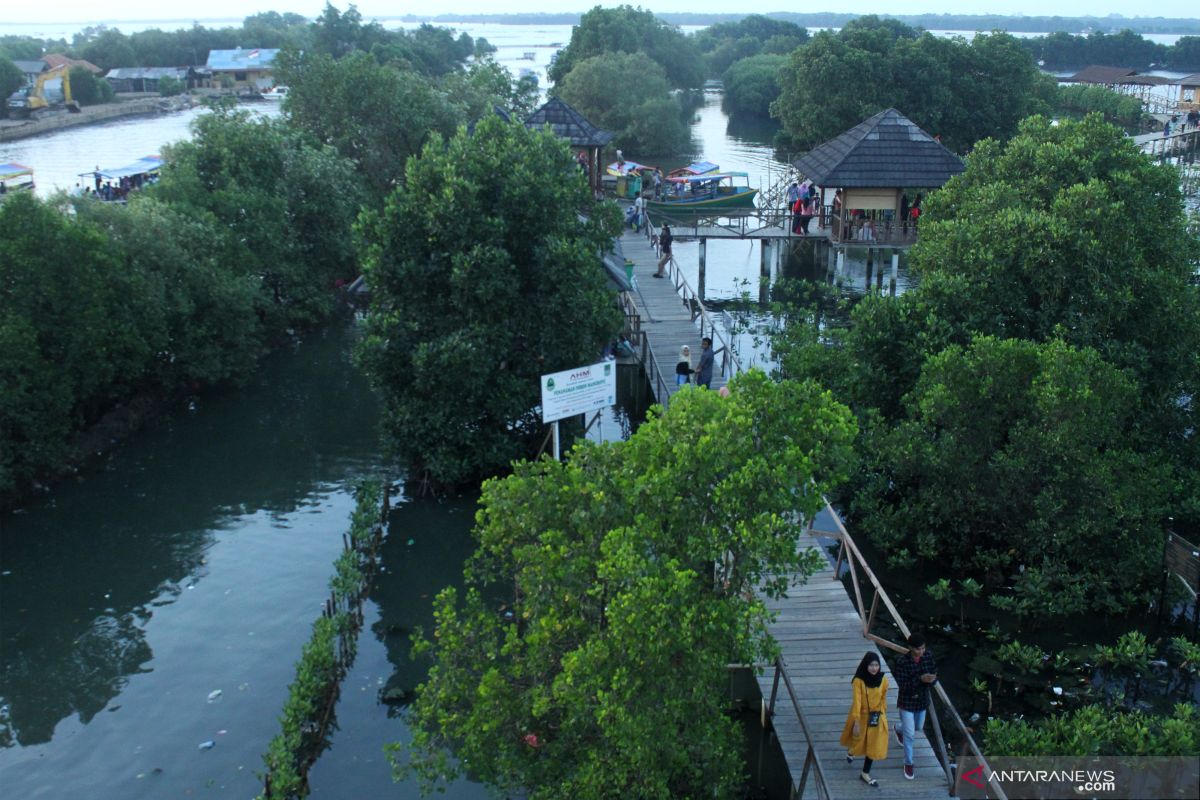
(909,772)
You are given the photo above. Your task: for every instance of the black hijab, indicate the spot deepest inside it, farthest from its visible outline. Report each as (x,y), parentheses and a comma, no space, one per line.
(872,681)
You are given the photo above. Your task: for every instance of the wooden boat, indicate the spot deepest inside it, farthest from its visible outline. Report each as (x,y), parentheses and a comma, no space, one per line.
(619,168)
(695,168)
(15,177)
(122,180)
(713,191)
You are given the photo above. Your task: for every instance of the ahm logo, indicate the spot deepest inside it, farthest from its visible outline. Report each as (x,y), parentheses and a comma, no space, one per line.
(970,777)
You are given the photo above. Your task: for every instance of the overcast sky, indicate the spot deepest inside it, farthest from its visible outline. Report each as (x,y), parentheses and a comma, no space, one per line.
(91,11)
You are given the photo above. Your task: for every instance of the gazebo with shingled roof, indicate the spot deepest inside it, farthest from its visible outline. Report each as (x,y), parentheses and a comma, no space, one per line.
(569,124)
(872,164)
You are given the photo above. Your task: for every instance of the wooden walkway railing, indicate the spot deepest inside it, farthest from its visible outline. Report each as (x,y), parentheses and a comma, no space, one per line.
(849,554)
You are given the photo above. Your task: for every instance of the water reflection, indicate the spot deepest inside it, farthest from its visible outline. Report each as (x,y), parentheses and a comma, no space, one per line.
(84,573)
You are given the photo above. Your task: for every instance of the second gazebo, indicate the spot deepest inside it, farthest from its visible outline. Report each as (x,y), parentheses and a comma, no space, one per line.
(873,165)
(585,138)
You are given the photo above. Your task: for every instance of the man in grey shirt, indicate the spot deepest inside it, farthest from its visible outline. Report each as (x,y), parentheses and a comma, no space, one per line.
(704,371)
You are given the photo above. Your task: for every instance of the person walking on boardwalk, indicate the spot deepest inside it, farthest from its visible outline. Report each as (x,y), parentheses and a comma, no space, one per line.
(915,673)
(683,370)
(664,242)
(866,731)
(704,370)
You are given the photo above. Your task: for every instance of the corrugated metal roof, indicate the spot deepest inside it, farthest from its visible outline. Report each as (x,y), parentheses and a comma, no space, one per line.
(30,67)
(144,73)
(1190,80)
(886,151)
(567,123)
(241,59)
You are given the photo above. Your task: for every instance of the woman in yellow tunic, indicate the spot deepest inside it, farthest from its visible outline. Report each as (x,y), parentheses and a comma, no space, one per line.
(866,731)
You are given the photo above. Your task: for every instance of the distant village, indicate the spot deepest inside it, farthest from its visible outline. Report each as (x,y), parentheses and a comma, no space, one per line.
(238,71)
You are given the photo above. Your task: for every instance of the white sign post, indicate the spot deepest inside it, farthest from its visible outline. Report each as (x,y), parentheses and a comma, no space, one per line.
(577,391)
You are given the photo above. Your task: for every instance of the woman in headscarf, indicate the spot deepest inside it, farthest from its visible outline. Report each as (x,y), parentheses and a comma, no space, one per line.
(683,369)
(866,731)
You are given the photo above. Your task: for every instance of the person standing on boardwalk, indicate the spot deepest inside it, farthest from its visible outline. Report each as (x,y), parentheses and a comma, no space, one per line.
(683,370)
(866,730)
(915,673)
(639,212)
(664,242)
(704,370)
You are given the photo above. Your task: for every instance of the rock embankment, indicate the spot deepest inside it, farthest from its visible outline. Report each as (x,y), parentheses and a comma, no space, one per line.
(11,129)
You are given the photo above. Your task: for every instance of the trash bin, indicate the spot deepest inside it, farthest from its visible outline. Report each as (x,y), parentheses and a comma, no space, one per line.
(621,186)
(629,270)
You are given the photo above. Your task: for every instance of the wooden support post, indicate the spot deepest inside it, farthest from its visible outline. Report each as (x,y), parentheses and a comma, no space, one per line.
(895,272)
(764,270)
(870,268)
(700,280)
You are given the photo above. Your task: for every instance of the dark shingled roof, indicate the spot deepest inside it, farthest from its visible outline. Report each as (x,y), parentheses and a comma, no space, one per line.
(1105,76)
(886,151)
(569,124)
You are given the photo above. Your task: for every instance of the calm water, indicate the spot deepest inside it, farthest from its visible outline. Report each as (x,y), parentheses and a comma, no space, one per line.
(193,560)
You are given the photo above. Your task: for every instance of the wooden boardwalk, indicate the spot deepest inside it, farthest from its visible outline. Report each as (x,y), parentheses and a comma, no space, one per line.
(666,318)
(821,639)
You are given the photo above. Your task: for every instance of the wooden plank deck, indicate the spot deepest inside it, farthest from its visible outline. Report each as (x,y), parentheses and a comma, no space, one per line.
(820,636)
(666,319)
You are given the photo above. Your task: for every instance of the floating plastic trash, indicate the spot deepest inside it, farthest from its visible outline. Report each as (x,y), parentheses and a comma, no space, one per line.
(214,694)
(209,745)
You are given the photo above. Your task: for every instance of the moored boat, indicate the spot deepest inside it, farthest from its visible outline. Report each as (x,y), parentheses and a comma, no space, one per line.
(713,191)
(114,184)
(275,93)
(15,177)
(619,168)
(693,169)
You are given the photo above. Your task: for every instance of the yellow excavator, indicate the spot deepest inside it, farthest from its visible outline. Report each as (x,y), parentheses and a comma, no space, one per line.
(50,94)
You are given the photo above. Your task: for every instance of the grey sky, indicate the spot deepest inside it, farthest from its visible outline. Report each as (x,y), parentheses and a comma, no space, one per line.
(89,10)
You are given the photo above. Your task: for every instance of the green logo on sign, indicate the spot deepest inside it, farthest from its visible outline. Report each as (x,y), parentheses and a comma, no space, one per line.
(608,369)
(550,384)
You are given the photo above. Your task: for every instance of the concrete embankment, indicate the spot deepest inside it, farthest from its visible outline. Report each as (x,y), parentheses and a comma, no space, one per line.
(21,129)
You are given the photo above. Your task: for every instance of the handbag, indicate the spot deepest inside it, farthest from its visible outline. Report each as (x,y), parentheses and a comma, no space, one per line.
(873,719)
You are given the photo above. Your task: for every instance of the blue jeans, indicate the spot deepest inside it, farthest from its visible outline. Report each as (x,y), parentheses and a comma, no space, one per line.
(910,723)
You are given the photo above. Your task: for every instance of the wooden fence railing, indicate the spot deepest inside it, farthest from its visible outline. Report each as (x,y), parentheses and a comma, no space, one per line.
(812,763)
(849,554)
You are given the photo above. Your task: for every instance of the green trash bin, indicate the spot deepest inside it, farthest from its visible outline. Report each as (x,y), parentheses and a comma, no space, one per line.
(629,270)
(621,186)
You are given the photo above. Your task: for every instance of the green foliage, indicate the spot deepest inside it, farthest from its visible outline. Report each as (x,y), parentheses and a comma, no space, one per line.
(376,116)
(170,86)
(1046,237)
(1122,109)
(726,43)
(1024,658)
(286,207)
(752,84)
(485,85)
(1015,464)
(1097,730)
(109,49)
(646,118)
(485,224)
(609,31)
(11,79)
(87,89)
(630,571)
(1123,49)
(324,658)
(839,79)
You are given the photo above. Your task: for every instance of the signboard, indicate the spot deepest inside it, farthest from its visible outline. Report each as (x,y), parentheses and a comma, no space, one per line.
(578,391)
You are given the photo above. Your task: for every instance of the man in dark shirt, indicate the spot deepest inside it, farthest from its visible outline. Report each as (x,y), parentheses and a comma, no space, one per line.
(915,673)
(705,370)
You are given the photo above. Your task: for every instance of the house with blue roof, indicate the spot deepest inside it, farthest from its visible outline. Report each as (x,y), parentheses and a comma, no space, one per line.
(249,70)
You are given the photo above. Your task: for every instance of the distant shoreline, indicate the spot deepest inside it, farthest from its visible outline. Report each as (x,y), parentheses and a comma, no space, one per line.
(1183,26)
